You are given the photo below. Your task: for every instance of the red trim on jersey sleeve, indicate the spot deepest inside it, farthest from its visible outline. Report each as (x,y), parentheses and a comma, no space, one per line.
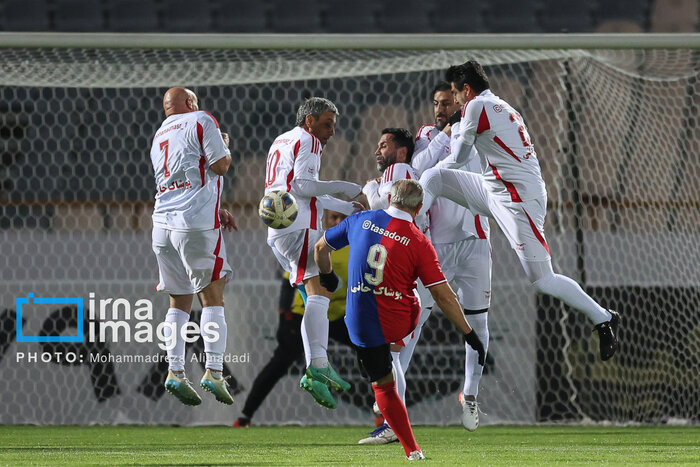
(479,229)
(216,122)
(217,224)
(301,266)
(537,233)
(514,196)
(218,262)
(290,177)
(408,175)
(505,148)
(202,162)
(314,214)
(420,130)
(483,122)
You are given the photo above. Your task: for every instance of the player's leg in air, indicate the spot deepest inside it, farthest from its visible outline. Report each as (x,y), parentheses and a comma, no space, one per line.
(320,376)
(213,317)
(194,262)
(523,225)
(177,383)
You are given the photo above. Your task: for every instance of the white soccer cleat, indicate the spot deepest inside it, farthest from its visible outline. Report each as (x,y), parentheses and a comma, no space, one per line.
(470,413)
(382,435)
(416,456)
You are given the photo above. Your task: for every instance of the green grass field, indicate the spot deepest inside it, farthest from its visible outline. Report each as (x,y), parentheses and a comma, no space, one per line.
(499,445)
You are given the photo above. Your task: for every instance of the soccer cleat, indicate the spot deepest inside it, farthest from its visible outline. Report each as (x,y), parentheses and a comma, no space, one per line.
(242,422)
(607,335)
(416,456)
(216,386)
(470,413)
(319,391)
(382,435)
(182,389)
(327,376)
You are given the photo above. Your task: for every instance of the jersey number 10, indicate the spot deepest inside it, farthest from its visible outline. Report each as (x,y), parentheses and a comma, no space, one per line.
(376,258)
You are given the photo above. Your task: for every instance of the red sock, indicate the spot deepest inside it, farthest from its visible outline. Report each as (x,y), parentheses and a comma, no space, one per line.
(391,406)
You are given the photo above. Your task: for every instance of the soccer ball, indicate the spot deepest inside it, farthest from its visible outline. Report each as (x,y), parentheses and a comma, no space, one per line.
(278,209)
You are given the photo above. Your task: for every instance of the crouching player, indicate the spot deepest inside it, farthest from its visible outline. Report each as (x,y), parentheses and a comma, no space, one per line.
(388,254)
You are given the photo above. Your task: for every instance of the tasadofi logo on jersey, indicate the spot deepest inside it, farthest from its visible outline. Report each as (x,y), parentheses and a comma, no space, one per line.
(372,227)
(114,320)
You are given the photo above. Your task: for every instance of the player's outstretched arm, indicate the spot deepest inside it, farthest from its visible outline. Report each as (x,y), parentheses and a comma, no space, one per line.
(446,299)
(309,188)
(345,207)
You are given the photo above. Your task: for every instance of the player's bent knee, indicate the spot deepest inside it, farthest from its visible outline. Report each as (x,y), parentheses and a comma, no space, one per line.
(213,294)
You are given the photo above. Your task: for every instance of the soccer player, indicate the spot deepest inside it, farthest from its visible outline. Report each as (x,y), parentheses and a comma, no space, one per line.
(289,345)
(461,240)
(190,155)
(388,253)
(394,153)
(293,164)
(511,190)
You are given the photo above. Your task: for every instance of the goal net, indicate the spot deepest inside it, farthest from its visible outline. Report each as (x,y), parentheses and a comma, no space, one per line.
(618,138)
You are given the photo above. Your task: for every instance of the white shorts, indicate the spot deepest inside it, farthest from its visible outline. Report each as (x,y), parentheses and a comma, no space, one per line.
(522,223)
(467,267)
(189,261)
(295,253)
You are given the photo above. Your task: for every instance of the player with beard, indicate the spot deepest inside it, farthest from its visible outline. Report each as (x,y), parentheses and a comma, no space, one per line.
(461,240)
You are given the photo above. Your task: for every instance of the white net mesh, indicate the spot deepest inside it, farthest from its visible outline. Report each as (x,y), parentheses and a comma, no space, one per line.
(618,138)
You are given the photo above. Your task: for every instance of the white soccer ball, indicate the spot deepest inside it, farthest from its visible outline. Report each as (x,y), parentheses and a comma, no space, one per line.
(278,209)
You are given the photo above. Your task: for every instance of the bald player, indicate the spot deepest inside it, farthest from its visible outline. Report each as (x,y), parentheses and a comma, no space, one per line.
(190,155)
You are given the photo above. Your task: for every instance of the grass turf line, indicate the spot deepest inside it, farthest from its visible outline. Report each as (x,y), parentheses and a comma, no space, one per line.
(491,445)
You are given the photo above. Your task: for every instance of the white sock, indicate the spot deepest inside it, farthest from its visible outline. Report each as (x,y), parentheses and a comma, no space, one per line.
(214,348)
(472,369)
(399,375)
(314,330)
(406,353)
(567,290)
(175,320)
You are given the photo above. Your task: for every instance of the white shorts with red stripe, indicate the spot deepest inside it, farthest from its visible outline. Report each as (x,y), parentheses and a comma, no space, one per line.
(295,252)
(188,261)
(467,267)
(521,222)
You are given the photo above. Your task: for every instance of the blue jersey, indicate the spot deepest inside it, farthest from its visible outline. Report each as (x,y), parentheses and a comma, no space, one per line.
(387,254)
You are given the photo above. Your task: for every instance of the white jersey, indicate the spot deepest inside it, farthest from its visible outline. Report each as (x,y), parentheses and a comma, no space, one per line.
(187,191)
(449,221)
(295,155)
(500,136)
(378,193)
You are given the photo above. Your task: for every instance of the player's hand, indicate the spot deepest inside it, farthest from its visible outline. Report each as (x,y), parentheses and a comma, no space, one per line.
(447,130)
(455,117)
(473,340)
(228,223)
(330,281)
(357,207)
(225,137)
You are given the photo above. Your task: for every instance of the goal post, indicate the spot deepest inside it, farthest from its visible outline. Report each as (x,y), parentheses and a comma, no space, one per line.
(614,119)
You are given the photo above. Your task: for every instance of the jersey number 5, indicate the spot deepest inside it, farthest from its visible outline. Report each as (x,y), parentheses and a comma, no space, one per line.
(164,148)
(376,258)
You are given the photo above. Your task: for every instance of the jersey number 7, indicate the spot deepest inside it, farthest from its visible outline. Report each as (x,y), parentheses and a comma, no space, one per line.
(164,148)
(376,258)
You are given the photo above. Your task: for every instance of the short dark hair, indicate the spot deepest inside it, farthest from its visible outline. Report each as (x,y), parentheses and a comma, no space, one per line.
(440,87)
(403,139)
(471,73)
